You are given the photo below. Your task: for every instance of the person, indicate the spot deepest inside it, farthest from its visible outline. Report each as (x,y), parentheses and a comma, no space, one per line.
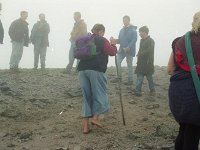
(1,28)
(39,38)
(127,40)
(19,34)
(145,61)
(183,100)
(93,79)
(79,29)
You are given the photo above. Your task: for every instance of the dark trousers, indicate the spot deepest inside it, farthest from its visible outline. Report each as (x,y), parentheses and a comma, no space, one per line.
(188,137)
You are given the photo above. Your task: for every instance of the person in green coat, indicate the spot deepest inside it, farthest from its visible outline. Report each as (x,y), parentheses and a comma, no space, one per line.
(39,38)
(145,61)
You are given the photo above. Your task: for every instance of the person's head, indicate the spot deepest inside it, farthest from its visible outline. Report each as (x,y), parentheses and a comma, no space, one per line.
(126,20)
(196,22)
(42,17)
(23,15)
(77,16)
(144,32)
(98,29)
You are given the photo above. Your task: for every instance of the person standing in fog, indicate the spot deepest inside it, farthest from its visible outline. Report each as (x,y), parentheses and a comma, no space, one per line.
(40,40)
(1,29)
(19,34)
(79,29)
(127,40)
(145,61)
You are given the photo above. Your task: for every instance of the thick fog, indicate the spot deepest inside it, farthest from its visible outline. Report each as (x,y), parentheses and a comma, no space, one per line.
(165,19)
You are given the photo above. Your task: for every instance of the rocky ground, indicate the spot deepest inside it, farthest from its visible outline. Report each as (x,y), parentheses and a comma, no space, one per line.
(40,110)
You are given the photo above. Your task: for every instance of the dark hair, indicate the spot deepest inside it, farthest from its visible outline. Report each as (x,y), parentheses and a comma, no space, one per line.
(144,29)
(126,17)
(98,27)
(174,42)
(78,14)
(23,12)
(41,14)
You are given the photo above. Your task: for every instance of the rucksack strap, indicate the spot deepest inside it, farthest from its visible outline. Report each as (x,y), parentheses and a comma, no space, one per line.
(191,62)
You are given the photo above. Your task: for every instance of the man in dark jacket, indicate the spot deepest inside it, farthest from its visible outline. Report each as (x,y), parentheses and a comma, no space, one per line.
(145,61)
(39,38)
(1,29)
(19,34)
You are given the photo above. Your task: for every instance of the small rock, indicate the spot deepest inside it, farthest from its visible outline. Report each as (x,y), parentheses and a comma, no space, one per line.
(145,119)
(11,145)
(131,136)
(132,102)
(9,114)
(61,148)
(152,106)
(25,135)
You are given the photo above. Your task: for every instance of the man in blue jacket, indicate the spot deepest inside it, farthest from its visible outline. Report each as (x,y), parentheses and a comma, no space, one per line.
(127,41)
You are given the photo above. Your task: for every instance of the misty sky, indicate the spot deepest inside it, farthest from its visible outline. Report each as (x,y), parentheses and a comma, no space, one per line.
(165,19)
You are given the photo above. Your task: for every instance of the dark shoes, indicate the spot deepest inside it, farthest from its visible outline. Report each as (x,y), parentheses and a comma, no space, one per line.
(137,93)
(152,93)
(15,69)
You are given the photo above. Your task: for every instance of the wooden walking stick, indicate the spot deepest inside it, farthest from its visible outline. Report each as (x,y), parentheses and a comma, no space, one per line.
(120,92)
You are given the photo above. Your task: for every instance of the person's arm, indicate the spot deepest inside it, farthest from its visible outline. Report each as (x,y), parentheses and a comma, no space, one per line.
(133,40)
(109,49)
(33,31)
(11,30)
(171,65)
(1,33)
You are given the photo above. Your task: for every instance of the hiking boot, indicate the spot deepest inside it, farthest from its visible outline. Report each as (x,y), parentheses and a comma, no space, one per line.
(137,93)
(152,93)
(15,69)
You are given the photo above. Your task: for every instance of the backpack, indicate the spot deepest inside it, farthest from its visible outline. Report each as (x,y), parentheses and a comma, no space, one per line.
(85,47)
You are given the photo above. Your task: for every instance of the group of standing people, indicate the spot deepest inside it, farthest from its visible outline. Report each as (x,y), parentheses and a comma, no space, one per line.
(19,34)
(92,72)
(183,96)
(92,75)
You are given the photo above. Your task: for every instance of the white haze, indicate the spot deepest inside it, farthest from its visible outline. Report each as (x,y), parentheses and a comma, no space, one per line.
(165,19)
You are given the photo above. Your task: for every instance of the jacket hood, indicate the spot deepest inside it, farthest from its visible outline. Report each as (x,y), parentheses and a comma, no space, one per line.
(132,26)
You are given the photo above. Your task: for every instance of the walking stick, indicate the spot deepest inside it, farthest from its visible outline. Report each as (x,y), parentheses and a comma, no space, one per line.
(120,92)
